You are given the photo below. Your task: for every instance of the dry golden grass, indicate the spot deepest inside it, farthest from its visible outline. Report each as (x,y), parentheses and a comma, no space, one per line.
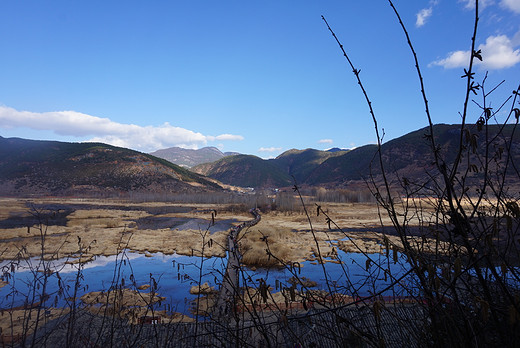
(104,231)
(371,243)
(9,206)
(254,243)
(291,240)
(104,218)
(183,242)
(100,231)
(284,244)
(288,300)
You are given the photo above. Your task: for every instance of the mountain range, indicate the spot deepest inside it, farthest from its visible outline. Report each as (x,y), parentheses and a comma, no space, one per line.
(58,168)
(408,156)
(252,171)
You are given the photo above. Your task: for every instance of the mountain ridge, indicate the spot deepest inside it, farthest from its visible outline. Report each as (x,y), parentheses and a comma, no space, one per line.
(61,168)
(32,166)
(408,155)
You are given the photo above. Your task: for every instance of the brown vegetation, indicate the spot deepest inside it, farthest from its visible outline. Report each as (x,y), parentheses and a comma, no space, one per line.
(104,228)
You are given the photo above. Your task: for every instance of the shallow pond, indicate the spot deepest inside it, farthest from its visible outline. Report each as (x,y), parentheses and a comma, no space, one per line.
(174,275)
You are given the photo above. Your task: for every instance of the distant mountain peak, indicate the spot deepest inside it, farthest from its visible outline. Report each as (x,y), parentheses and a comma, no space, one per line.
(336,149)
(190,157)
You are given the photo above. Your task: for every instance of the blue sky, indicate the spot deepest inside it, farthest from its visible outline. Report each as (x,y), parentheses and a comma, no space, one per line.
(257,77)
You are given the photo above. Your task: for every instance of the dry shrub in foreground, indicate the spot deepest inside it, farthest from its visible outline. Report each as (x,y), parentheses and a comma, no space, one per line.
(465,266)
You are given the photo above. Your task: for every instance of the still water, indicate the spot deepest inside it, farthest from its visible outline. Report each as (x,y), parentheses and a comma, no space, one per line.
(174,276)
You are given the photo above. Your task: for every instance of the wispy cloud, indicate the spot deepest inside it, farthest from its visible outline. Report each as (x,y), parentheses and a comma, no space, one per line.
(482,4)
(422,16)
(497,53)
(225,137)
(269,149)
(513,5)
(79,125)
(325,141)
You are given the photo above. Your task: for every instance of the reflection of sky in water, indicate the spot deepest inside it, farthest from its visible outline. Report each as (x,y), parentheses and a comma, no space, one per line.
(175,274)
(343,278)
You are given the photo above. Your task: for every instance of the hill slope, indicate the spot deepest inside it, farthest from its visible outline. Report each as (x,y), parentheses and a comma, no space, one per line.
(351,166)
(410,155)
(301,163)
(252,171)
(59,168)
(245,171)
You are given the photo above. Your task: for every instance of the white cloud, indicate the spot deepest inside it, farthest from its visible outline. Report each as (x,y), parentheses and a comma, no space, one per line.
(497,53)
(325,141)
(269,149)
(513,5)
(422,16)
(143,138)
(455,59)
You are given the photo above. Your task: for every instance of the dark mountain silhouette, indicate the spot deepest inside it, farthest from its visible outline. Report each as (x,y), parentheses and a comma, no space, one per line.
(60,168)
(336,149)
(411,157)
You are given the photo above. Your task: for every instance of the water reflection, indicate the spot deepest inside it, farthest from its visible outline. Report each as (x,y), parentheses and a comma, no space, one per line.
(175,275)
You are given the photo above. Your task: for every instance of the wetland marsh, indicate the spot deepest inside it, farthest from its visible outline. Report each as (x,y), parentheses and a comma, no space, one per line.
(85,249)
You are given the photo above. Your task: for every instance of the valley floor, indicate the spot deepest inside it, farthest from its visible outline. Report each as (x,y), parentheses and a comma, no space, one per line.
(81,229)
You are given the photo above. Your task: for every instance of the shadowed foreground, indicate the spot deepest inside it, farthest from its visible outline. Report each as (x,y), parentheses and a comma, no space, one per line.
(394,325)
